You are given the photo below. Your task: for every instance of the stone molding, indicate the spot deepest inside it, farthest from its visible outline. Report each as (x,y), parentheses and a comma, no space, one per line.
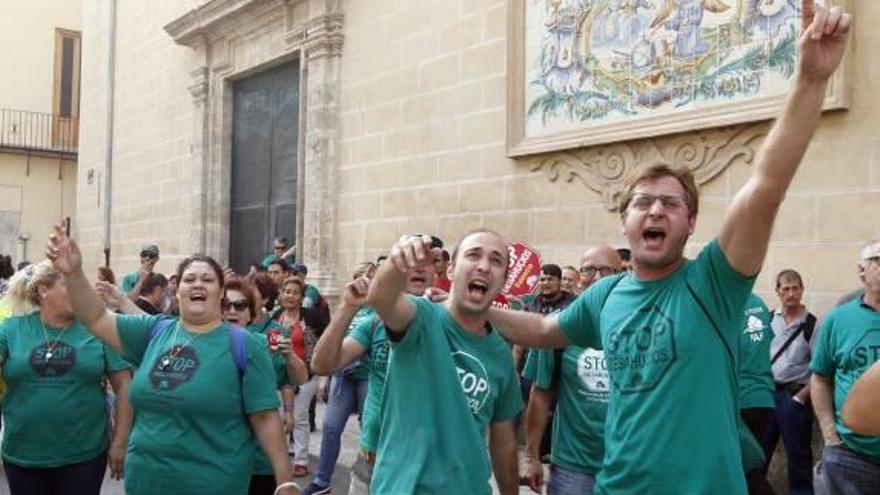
(231,39)
(604,169)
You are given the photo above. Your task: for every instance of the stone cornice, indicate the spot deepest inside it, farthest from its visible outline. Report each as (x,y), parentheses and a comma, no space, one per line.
(188,28)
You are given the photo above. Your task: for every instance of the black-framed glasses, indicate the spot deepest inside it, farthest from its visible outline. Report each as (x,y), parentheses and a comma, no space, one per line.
(239,305)
(591,271)
(280,248)
(644,201)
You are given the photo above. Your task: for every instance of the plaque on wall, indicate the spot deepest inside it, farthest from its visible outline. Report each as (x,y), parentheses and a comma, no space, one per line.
(587,72)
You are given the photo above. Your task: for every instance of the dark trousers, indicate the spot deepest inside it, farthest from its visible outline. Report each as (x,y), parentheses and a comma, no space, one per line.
(758,420)
(794,423)
(82,478)
(262,484)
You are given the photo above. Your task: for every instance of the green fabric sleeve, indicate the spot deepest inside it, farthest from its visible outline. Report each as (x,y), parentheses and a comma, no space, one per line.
(509,401)
(113,361)
(362,333)
(822,362)
(134,333)
(259,384)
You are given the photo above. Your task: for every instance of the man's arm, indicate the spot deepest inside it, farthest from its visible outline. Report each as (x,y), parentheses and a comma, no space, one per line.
(861,411)
(529,329)
(334,350)
(537,415)
(823,405)
(502,448)
(290,252)
(747,226)
(387,291)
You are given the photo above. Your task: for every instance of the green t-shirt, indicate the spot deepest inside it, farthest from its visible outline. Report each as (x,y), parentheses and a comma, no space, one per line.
(262,465)
(191,432)
(311,296)
(54,412)
(672,414)
(582,401)
(129,281)
(755,378)
(370,334)
(443,388)
(269,258)
(360,369)
(848,344)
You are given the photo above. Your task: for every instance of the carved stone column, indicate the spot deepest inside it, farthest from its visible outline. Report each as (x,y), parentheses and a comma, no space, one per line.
(322,49)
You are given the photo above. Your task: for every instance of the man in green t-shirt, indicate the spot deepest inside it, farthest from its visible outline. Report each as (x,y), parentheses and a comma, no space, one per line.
(280,251)
(131,283)
(756,387)
(356,332)
(670,328)
(450,377)
(848,345)
(577,378)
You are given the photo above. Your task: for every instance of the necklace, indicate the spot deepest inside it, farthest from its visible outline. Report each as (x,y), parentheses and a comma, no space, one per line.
(175,349)
(50,347)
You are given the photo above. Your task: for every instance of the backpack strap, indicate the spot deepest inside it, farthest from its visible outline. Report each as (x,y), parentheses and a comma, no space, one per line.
(809,325)
(162,324)
(238,346)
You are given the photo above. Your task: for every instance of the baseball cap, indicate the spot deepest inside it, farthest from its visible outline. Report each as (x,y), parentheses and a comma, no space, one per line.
(150,249)
(299,268)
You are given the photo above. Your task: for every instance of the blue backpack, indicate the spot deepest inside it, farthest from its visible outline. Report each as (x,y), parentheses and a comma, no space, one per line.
(237,341)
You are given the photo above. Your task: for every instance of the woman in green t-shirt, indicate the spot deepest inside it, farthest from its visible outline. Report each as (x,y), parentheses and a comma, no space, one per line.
(240,308)
(56,437)
(202,390)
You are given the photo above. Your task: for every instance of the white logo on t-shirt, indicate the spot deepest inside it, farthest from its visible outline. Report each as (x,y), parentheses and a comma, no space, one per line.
(593,372)
(473,378)
(755,329)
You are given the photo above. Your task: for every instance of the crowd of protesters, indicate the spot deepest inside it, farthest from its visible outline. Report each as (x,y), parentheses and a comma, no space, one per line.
(635,372)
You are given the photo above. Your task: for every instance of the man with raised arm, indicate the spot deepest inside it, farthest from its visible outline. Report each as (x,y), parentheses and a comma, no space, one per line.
(669,329)
(450,376)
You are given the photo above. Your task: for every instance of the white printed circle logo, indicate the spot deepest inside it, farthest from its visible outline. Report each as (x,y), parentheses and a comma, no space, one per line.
(755,329)
(592,369)
(474,380)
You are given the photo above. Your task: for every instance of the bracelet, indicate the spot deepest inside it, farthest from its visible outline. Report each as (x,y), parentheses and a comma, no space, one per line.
(289,484)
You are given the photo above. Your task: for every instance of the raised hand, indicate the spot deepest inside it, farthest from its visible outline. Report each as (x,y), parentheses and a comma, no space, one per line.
(355,294)
(63,252)
(111,295)
(412,251)
(824,35)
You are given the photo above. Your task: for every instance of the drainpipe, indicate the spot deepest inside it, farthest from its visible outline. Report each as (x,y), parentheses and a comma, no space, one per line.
(108,148)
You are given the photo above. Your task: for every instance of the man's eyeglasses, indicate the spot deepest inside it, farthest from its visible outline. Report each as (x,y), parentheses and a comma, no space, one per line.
(236,305)
(591,271)
(280,248)
(644,202)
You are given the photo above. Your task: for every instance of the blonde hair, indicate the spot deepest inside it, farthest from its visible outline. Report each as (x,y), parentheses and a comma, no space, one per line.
(23,296)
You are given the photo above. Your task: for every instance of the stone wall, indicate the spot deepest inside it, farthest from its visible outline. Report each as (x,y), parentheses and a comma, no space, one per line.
(423,129)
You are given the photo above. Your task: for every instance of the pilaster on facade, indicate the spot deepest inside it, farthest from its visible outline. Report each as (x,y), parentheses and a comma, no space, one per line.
(232,39)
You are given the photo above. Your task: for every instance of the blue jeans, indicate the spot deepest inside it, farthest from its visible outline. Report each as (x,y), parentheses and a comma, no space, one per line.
(847,473)
(82,478)
(565,482)
(794,422)
(345,396)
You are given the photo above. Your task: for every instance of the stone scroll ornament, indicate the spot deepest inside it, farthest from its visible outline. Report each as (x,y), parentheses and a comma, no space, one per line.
(604,169)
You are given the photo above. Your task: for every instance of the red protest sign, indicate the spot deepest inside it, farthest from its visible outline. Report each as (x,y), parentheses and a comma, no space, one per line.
(524,269)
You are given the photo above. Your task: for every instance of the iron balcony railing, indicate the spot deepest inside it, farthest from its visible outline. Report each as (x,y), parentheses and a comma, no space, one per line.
(25,131)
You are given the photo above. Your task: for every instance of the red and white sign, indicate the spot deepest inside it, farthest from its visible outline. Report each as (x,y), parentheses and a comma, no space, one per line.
(524,270)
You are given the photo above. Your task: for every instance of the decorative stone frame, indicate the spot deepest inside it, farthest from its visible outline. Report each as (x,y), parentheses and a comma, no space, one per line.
(737,112)
(232,39)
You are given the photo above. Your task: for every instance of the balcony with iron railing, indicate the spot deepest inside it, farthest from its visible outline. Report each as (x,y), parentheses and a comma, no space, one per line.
(38,133)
